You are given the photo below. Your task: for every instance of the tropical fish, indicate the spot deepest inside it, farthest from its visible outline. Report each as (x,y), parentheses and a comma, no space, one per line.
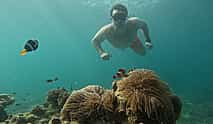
(52,80)
(122,70)
(17,104)
(30,45)
(121,73)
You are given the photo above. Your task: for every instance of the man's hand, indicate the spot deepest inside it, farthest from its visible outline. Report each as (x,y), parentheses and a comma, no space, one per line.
(105,56)
(148,45)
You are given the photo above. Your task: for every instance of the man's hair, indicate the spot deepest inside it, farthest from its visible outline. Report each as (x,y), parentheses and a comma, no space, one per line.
(119,7)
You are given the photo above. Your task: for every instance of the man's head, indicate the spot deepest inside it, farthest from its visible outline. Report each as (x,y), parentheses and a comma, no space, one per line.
(119,14)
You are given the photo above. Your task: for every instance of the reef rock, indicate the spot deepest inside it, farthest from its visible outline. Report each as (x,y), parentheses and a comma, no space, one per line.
(6,99)
(24,118)
(3,114)
(56,98)
(55,120)
(38,110)
(43,121)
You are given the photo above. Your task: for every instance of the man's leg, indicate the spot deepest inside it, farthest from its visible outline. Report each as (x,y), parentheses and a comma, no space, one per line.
(138,47)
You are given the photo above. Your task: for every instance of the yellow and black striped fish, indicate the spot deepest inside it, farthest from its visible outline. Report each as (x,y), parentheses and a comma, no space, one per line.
(30,45)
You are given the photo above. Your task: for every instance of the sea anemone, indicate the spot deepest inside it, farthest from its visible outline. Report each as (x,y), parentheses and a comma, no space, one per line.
(143,96)
(88,105)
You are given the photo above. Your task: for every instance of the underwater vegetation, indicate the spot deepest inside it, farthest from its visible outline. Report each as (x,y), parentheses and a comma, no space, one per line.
(138,96)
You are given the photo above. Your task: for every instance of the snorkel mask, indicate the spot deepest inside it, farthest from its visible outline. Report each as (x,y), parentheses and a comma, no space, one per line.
(119,17)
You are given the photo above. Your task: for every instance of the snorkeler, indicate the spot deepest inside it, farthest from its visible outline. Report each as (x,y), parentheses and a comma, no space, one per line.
(30,45)
(122,33)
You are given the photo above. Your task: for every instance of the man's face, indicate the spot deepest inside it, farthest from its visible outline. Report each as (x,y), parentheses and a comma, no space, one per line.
(119,17)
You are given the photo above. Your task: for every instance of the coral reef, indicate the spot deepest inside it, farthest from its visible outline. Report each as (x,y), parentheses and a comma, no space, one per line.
(48,113)
(23,118)
(38,110)
(55,120)
(56,98)
(5,100)
(137,97)
(3,114)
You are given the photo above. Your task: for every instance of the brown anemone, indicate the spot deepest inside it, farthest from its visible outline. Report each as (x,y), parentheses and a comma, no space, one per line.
(92,104)
(144,97)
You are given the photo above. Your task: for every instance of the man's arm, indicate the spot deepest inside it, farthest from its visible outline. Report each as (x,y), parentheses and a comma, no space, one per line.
(98,39)
(142,25)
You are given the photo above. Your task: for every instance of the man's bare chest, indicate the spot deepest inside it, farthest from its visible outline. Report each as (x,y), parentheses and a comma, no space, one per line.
(127,36)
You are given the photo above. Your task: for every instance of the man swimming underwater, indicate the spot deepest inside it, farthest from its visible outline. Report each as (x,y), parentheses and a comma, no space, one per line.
(122,33)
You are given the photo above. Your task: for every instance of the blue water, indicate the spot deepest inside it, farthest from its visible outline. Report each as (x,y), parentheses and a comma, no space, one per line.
(181,32)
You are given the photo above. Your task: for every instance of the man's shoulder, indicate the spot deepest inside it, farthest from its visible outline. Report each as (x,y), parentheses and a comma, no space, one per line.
(136,21)
(106,29)
(103,31)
